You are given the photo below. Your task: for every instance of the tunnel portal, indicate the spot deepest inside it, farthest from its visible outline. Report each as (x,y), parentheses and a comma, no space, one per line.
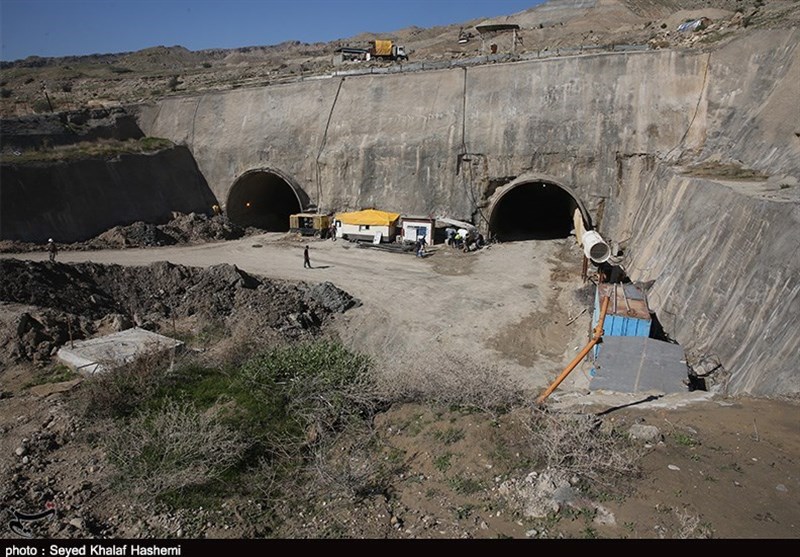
(262,199)
(534,210)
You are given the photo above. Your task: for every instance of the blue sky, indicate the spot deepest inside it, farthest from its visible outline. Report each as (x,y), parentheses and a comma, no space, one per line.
(77,27)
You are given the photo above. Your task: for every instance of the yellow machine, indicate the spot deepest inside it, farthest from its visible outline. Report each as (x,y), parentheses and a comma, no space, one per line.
(310,224)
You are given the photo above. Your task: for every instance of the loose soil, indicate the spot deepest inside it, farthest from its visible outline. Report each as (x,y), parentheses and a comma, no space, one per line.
(509,314)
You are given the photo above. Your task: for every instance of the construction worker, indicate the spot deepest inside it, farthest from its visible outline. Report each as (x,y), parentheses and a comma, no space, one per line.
(421,246)
(52,249)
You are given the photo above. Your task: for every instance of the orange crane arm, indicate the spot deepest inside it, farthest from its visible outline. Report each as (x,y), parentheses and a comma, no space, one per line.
(598,334)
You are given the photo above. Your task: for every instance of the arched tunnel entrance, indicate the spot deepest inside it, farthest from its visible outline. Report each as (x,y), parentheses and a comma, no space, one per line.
(534,210)
(263,199)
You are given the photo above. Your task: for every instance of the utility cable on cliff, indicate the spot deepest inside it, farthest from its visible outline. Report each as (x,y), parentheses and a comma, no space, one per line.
(194,116)
(628,258)
(462,156)
(323,142)
(696,107)
(464,115)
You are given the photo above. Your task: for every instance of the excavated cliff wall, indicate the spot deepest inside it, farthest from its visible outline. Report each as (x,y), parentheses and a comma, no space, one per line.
(621,131)
(75,201)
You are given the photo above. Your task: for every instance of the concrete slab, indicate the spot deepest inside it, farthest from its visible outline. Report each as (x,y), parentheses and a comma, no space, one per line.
(596,402)
(639,365)
(105,353)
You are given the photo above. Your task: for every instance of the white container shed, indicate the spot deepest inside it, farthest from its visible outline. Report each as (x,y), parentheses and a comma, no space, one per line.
(414,227)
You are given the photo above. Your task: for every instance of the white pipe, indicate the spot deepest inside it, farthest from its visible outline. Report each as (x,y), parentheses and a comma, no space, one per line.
(595,248)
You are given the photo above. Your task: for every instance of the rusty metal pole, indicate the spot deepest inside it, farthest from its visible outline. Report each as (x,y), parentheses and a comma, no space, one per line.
(598,334)
(585,268)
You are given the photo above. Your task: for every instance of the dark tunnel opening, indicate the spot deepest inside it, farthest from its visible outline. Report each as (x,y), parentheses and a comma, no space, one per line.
(262,200)
(533,211)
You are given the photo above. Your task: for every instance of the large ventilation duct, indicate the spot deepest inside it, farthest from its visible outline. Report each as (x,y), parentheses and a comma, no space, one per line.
(595,248)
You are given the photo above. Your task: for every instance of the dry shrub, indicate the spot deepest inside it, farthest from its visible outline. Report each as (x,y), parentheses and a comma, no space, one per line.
(351,467)
(691,526)
(120,391)
(575,445)
(173,447)
(452,381)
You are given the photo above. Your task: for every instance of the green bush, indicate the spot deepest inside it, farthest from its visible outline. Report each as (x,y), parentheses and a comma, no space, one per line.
(155,143)
(291,403)
(321,384)
(56,374)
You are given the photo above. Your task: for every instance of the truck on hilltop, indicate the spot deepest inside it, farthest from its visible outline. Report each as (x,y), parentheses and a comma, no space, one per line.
(387,49)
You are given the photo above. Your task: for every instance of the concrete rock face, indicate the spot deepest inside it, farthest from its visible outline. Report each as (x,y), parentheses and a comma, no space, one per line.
(614,129)
(727,277)
(78,200)
(436,141)
(618,131)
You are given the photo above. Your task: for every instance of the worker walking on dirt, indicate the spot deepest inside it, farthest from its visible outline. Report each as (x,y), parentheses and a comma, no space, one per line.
(52,249)
(306,259)
(421,246)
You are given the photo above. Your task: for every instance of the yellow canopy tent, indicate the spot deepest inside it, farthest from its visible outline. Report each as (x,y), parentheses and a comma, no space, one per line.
(372,217)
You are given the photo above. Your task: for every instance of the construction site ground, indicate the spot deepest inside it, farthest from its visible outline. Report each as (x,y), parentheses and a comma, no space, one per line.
(722,468)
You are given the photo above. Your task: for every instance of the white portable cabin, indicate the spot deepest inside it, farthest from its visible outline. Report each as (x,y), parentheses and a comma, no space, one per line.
(366,224)
(415,227)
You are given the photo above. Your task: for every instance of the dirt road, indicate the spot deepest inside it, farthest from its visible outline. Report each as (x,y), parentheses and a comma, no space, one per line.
(506,305)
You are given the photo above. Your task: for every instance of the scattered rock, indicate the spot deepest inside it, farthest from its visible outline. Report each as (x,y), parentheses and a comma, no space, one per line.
(646,433)
(332,298)
(48,389)
(604,516)
(538,495)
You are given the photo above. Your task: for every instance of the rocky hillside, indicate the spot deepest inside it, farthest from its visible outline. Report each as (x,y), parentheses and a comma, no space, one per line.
(38,84)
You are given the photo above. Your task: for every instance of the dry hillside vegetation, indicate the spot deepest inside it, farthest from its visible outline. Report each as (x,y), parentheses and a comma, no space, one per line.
(122,78)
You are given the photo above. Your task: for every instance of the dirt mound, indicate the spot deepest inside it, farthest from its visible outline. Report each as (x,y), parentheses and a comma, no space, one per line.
(192,228)
(182,229)
(77,301)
